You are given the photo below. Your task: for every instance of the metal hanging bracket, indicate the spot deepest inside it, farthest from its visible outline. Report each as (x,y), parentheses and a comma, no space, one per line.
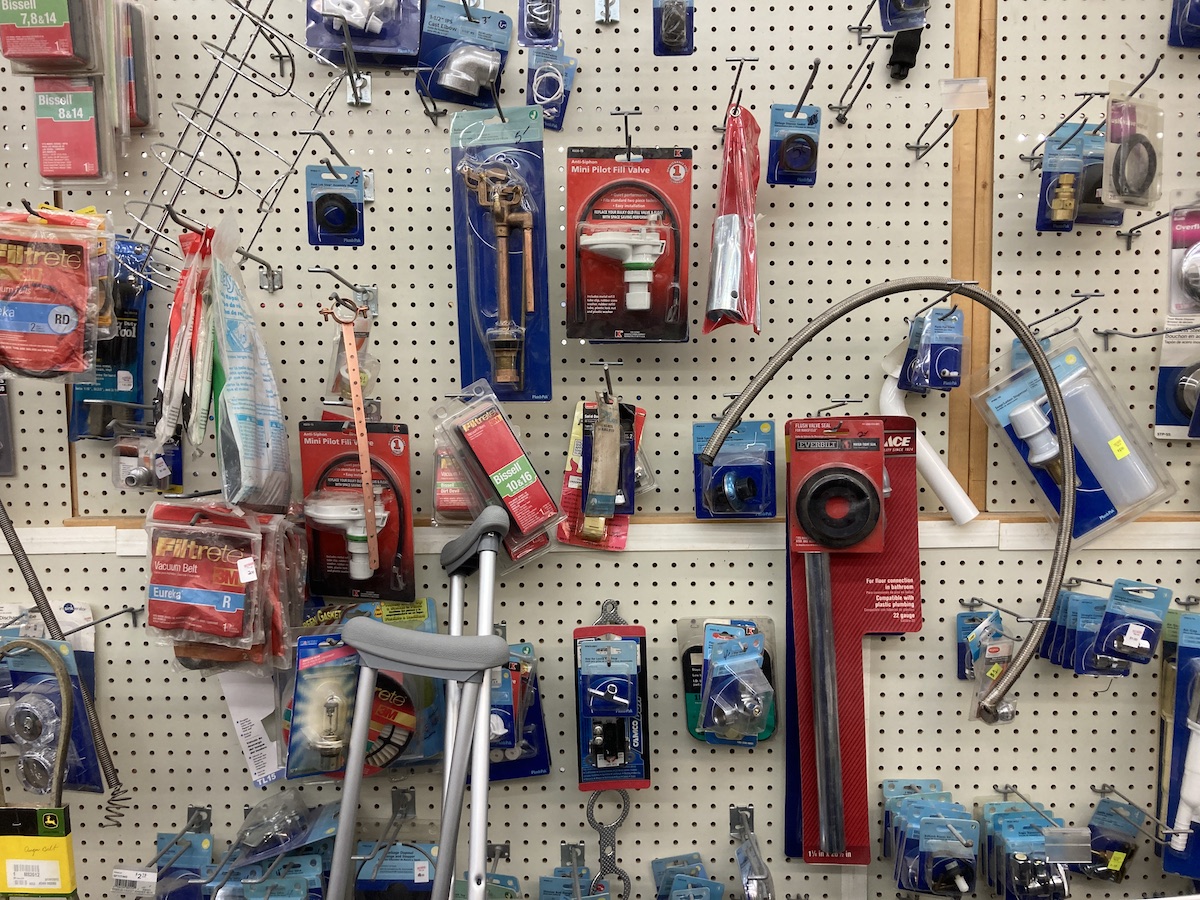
(270,279)
(1136,230)
(364,294)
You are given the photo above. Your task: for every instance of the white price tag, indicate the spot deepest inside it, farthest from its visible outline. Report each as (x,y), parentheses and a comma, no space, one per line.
(135,882)
(246,570)
(124,380)
(1133,635)
(161,469)
(421,871)
(33,873)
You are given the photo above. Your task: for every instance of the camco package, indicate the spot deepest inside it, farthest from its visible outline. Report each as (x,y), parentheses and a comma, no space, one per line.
(461,60)
(612,696)
(835,495)
(1118,475)
(500,251)
(1179,360)
(335,519)
(628,236)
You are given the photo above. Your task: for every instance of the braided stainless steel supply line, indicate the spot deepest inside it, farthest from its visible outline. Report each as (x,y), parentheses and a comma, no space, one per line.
(993,708)
(118,797)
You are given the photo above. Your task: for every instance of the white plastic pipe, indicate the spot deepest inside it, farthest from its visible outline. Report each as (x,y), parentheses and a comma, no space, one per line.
(935,472)
(1189,791)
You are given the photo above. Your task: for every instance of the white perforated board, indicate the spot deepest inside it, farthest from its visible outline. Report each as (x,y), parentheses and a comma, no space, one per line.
(873,215)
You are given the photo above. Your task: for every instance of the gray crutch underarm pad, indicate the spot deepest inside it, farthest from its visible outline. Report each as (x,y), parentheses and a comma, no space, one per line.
(461,555)
(393,649)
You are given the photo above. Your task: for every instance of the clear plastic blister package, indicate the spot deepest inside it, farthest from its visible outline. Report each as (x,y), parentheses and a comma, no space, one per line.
(1133,151)
(500,251)
(1119,476)
(496,471)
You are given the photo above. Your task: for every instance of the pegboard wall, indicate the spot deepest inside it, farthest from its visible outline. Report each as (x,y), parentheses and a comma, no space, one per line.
(875,213)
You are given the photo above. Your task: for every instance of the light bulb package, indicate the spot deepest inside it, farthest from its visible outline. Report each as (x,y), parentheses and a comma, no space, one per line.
(628,239)
(795,144)
(382,32)
(318,713)
(550,76)
(1118,475)
(740,484)
(461,61)
(1178,395)
(499,206)
(339,567)
(1058,196)
(1133,150)
(674,24)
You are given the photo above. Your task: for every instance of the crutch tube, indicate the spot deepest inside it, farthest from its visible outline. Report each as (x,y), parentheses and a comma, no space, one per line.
(343,843)
(481,745)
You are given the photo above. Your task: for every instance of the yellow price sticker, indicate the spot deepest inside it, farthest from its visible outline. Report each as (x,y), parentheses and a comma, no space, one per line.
(1116,860)
(994,672)
(1119,448)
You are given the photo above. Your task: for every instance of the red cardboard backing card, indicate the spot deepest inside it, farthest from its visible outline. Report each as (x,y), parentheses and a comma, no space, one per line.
(329,460)
(650,194)
(873,593)
(68,114)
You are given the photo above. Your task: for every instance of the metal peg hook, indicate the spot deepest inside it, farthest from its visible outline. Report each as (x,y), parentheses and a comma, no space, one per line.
(1074,134)
(315,132)
(1135,231)
(733,91)
(862,27)
(1024,620)
(1056,332)
(942,299)
(1107,333)
(626,113)
(1035,161)
(1162,827)
(179,220)
(834,404)
(467,12)
(923,149)
(1077,296)
(270,279)
(1141,84)
(609,393)
(1007,789)
(842,108)
(496,102)
(812,77)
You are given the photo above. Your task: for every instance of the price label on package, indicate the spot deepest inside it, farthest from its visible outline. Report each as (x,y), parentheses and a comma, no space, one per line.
(134,882)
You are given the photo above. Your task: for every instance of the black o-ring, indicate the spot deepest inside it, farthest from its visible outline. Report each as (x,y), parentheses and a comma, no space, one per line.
(838,483)
(1122,183)
(335,213)
(800,145)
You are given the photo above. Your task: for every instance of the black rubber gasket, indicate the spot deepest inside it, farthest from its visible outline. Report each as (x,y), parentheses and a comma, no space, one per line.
(797,153)
(838,483)
(335,213)
(1123,182)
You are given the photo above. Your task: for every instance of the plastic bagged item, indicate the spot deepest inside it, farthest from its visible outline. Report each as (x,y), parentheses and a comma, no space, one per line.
(550,76)
(733,267)
(204,587)
(252,442)
(50,293)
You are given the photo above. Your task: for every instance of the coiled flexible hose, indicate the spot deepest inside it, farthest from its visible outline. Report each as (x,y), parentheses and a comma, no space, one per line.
(118,798)
(993,707)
